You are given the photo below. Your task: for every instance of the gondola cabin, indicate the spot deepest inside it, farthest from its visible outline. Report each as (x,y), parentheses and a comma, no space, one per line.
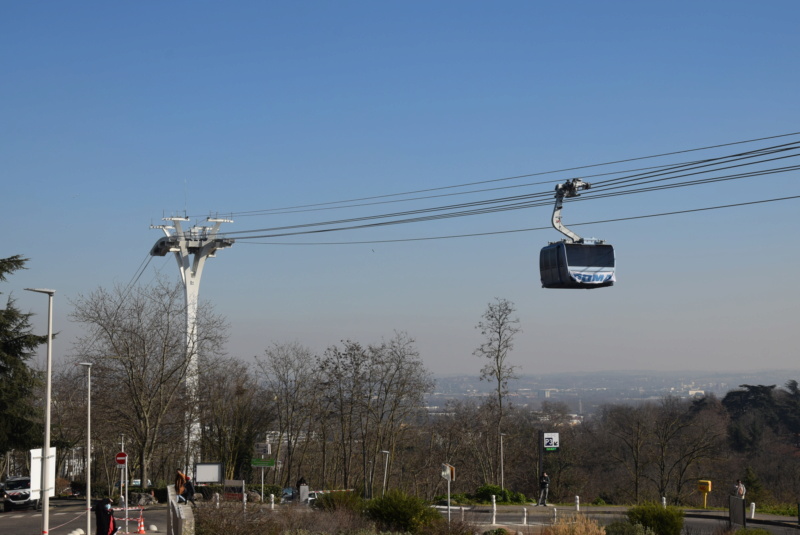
(577,265)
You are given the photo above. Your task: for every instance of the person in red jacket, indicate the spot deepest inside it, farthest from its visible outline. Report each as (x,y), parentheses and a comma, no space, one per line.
(104,518)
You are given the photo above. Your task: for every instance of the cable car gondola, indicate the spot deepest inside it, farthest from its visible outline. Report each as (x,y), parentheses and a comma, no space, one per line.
(575,262)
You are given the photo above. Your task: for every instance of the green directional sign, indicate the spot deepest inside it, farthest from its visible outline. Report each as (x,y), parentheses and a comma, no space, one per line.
(262,462)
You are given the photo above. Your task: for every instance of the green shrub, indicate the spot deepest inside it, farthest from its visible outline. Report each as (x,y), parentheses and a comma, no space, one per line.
(496,531)
(398,511)
(752,531)
(340,501)
(484,494)
(783,509)
(623,527)
(662,521)
(599,501)
(520,497)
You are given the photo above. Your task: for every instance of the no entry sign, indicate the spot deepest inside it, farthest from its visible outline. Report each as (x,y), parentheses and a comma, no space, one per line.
(122,457)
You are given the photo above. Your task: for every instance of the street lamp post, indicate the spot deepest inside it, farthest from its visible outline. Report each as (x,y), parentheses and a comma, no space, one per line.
(385,471)
(45,490)
(88,366)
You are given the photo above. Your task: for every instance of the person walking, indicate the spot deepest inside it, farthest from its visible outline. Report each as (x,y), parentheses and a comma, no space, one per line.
(104,518)
(180,485)
(544,486)
(738,489)
(188,491)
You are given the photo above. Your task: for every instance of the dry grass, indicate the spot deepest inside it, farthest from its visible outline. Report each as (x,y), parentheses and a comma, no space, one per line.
(260,520)
(575,525)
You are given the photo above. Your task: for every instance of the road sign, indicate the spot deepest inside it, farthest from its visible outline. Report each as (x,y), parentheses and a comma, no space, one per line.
(448,472)
(263,448)
(122,457)
(551,441)
(262,462)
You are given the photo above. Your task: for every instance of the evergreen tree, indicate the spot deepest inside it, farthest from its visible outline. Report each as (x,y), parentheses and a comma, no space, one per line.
(20,427)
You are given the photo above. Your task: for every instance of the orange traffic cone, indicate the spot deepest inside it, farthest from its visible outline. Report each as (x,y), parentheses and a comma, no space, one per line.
(141,524)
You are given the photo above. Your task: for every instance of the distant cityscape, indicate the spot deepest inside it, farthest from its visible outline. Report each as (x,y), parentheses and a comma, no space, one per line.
(584,393)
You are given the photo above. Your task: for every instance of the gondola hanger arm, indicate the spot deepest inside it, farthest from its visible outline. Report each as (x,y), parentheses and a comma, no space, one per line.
(570,188)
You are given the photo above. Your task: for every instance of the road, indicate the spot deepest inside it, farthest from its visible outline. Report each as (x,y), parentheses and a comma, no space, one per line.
(697,521)
(68,516)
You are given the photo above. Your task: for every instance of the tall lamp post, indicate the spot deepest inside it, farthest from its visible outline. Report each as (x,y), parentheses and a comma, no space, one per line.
(45,491)
(385,471)
(88,366)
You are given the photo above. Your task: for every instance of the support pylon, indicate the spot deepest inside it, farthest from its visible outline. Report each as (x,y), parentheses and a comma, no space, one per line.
(191,249)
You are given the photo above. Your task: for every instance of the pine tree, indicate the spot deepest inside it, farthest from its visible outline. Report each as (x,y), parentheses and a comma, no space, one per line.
(20,426)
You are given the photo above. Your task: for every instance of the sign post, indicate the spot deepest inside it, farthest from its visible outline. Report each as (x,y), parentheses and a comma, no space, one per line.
(263,448)
(547,442)
(449,474)
(122,461)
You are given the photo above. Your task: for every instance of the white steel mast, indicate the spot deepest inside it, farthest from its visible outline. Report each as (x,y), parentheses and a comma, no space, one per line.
(191,248)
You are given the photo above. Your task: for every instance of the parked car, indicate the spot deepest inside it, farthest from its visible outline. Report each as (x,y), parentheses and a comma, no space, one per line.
(17,494)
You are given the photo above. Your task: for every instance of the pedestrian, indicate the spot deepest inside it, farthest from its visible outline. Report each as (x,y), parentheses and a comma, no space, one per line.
(104,518)
(738,489)
(180,485)
(188,491)
(544,486)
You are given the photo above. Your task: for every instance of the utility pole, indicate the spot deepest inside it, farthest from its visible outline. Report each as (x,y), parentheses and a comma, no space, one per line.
(191,248)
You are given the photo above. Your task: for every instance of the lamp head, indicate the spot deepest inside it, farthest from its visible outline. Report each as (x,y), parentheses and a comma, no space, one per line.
(42,291)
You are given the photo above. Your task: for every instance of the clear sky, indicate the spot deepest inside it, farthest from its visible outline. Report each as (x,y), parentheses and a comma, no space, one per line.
(114,114)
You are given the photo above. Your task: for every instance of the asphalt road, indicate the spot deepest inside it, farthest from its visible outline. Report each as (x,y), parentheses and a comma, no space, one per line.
(66,516)
(695,521)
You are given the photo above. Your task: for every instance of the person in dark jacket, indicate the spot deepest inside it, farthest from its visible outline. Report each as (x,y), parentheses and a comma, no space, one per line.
(544,487)
(104,518)
(188,491)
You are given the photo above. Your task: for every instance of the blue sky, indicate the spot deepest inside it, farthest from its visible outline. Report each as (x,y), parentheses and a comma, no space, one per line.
(116,114)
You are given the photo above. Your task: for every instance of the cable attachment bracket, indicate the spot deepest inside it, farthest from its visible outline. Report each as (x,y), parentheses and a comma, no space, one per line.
(570,188)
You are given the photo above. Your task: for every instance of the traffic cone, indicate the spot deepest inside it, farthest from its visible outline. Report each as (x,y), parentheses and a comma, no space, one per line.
(141,524)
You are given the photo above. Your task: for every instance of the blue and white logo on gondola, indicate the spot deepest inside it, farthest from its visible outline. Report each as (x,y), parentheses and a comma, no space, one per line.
(592,278)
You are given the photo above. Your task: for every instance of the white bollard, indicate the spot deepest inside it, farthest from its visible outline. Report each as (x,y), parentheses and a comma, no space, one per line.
(153,528)
(462,513)
(555,515)
(752,510)
(578,503)
(524,516)
(272,501)
(216,499)
(494,510)
(664,501)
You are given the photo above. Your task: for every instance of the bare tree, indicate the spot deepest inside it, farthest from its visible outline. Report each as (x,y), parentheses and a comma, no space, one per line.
(399,382)
(628,441)
(498,326)
(292,379)
(136,341)
(371,393)
(343,376)
(233,412)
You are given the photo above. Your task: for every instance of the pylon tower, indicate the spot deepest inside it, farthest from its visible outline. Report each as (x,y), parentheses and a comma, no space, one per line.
(191,248)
